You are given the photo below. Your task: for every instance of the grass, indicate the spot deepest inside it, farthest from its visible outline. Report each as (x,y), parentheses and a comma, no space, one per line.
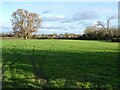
(60,64)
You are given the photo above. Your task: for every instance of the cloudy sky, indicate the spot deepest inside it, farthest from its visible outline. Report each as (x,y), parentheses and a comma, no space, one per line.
(62,17)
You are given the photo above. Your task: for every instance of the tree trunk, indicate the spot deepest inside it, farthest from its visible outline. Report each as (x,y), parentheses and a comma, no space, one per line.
(25,37)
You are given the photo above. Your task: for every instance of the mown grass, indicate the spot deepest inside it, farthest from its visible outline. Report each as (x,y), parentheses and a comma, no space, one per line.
(61,63)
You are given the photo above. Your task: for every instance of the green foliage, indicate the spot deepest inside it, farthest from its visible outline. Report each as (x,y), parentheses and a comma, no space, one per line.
(83,85)
(57,83)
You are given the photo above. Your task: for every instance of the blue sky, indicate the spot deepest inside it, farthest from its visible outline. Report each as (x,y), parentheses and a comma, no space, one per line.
(62,17)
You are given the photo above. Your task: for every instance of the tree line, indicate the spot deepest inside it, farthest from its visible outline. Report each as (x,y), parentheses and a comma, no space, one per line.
(102,31)
(25,23)
(92,33)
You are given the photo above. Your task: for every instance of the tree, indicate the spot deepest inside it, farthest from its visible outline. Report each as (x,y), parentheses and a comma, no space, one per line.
(99,23)
(91,32)
(24,23)
(106,27)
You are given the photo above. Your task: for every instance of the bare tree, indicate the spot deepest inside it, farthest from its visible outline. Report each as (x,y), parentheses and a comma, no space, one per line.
(99,23)
(108,22)
(25,23)
(106,27)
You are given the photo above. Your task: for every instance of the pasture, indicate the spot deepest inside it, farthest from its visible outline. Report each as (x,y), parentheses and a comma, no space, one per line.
(59,64)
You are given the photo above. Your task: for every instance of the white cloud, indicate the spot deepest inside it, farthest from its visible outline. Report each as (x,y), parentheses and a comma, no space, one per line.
(60,16)
(52,27)
(61,28)
(85,15)
(49,17)
(81,16)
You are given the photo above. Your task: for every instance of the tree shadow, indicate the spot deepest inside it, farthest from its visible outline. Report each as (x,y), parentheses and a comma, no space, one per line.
(20,66)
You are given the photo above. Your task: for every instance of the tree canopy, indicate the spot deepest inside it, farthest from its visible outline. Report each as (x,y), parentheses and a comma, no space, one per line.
(24,23)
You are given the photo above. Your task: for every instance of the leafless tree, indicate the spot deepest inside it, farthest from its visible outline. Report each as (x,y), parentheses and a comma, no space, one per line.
(99,23)
(106,27)
(25,23)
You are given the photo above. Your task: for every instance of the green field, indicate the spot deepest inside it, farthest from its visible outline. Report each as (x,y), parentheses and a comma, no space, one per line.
(59,63)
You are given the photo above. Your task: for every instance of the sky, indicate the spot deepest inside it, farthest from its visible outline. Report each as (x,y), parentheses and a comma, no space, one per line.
(62,17)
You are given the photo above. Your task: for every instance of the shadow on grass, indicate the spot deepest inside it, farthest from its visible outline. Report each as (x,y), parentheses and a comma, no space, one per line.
(24,68)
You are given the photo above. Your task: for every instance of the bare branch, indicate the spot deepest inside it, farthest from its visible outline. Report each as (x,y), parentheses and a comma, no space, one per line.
(25,22)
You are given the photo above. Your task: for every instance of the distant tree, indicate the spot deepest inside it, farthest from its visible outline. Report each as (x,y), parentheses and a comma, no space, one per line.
(66,35)
(106,27)
(100,34)
(91,32)
(99,23)
(115,33)
(25,23)
(6,34)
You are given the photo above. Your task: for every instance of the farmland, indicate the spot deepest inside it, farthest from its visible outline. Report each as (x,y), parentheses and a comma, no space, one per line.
(59,63)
